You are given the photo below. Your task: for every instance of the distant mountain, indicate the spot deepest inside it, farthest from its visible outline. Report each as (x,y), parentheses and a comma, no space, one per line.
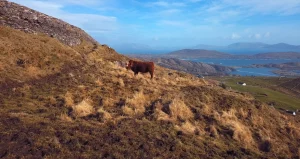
(283,46)
(208,47)
(241,48)
(197,53)
(251,48)
(247,45)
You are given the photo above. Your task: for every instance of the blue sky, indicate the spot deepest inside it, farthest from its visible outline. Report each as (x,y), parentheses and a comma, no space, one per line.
(175,23)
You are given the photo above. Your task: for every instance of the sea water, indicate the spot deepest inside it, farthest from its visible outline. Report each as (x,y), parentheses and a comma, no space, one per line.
(242,65)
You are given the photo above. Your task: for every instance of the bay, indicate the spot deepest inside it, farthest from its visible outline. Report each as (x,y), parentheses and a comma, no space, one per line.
(242,65)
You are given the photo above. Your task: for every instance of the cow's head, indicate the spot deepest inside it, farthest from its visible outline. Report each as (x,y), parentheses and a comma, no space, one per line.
(129,64)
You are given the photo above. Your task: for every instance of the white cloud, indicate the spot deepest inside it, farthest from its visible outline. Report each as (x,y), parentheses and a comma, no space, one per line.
(235,36)
(233,11)
(267,34)
(221,17)
(169,12)
(257,36)
(214,8)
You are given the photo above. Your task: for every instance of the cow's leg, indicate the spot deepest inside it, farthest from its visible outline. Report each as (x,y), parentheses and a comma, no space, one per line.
(151,73)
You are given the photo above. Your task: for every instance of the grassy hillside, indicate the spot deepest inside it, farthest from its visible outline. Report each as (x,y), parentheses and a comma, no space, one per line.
(292,85)
(268,90)
(63,102)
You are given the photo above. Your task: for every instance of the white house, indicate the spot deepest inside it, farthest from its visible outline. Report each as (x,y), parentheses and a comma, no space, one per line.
(242,83)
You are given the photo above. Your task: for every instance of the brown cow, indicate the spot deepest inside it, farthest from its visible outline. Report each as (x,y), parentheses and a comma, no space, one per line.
(143,67)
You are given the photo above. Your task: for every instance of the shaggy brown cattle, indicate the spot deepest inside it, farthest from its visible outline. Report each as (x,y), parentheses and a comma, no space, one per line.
(143,67)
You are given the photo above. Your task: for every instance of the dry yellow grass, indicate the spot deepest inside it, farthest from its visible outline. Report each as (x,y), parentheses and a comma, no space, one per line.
(229,115)
(107,102)
(293,130)
(188,127)
(98,82)
(206,109)
(105,115)
(213,131)
(136,103)
(118,81)
(82,109)
(159,114)
(178,109)
(217,116)
(241,132)
(52,100)
(65,117)
(242,113)
(128,111)
(257,120)
(210,105)
(122,70)
(205,98)
(69,99)
(121,82)
(34,72)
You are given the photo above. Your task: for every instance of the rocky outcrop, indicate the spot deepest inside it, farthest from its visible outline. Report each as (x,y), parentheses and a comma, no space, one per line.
(31,21)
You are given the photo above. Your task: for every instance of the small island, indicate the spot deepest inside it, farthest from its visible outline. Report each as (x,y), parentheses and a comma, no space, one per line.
(282,69)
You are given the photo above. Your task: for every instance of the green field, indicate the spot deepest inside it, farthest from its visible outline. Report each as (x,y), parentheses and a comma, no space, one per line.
(265,89)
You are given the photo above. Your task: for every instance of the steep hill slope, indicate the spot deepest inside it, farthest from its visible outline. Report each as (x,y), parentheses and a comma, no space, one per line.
(58,101)
(89,106)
